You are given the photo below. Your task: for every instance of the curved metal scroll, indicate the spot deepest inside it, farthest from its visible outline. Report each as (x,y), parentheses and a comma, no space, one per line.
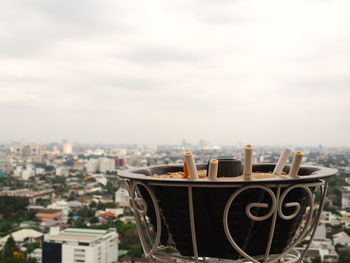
(139,206)
(277,193)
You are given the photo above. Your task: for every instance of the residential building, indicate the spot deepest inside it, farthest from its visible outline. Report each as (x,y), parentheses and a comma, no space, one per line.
(62,171)
(5,163)
(23,237)
(39,170)
(321,247)
(48,214)
(100,179)
(29,193)
(101,165)
(329,218)
(345,220)
(23,173)
(63,206)
(106,164)
(344,241)
(92,166)
(28,152)
(345,197)
(75,245)
(37,255)
(122,197)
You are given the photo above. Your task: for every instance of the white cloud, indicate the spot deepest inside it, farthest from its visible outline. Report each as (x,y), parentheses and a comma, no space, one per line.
(265,72)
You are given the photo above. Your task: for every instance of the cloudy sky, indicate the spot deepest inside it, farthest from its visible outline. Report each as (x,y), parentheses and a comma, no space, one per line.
(227,71)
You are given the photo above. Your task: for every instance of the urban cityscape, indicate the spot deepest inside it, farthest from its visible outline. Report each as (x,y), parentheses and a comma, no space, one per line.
(94,91)
(64,202)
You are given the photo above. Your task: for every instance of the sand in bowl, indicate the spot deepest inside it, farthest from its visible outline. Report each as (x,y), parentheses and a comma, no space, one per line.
(202,174)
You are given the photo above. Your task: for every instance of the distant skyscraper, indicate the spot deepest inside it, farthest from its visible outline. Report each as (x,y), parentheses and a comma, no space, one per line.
(67,148)
(106,164)
(102,165)
(28,152)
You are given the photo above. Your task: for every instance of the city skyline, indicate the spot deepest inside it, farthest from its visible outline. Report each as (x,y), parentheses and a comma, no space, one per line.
(200,143)
(265,73)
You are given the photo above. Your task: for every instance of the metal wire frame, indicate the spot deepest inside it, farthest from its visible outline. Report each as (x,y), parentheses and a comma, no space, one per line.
(155,251)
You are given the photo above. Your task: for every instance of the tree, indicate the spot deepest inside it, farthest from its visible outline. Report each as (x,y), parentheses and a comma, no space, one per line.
(94,220)
(32,246)
(344,256)
(92,204)
(12,204)
(10,247)
(101,206)
(31,260)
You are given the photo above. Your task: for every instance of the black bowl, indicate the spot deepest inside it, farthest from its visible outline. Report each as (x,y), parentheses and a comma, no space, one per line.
(209,201)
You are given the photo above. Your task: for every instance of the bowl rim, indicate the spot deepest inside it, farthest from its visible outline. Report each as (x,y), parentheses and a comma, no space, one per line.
(141,174)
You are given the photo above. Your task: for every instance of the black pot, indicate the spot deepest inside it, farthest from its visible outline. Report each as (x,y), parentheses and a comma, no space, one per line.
(209,201)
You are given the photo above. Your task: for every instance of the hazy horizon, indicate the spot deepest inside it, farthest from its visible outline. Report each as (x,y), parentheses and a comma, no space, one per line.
(237,144)
(156,72)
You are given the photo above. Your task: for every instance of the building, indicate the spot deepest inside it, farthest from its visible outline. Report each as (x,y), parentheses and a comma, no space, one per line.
(344,241)
(23,173)
(345,197)
(62,171)
(345,220)
(78,245)
(321,247)
(122,197)
(23,237)
(61,205)
(28,152)
(39,170)
(5,163)
(67,148)
(48,214)
(106,164)
(101,165)
(118,162)
(329,218)
(37,255)
(92,166)
(29,193)
(101,179)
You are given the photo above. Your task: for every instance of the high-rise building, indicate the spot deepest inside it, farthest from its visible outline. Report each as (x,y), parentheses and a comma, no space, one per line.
(102,165)
(28,152)
(345,197)
(5,163)
(122,197)
(67,148)
(106,164)
(92,165)
(79,245)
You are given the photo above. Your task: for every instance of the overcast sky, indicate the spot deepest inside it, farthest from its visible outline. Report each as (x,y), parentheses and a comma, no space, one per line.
(227,71)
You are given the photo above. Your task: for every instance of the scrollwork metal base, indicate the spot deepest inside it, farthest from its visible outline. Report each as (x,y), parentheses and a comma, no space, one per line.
(277,192)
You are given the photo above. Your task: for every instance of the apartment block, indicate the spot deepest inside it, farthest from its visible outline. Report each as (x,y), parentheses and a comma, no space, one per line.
(78,245)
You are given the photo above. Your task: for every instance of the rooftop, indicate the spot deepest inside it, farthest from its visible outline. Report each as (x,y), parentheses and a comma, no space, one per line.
(22,234)
(78,235)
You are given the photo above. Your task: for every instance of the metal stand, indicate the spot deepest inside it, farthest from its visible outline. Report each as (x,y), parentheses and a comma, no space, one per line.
(151,241)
